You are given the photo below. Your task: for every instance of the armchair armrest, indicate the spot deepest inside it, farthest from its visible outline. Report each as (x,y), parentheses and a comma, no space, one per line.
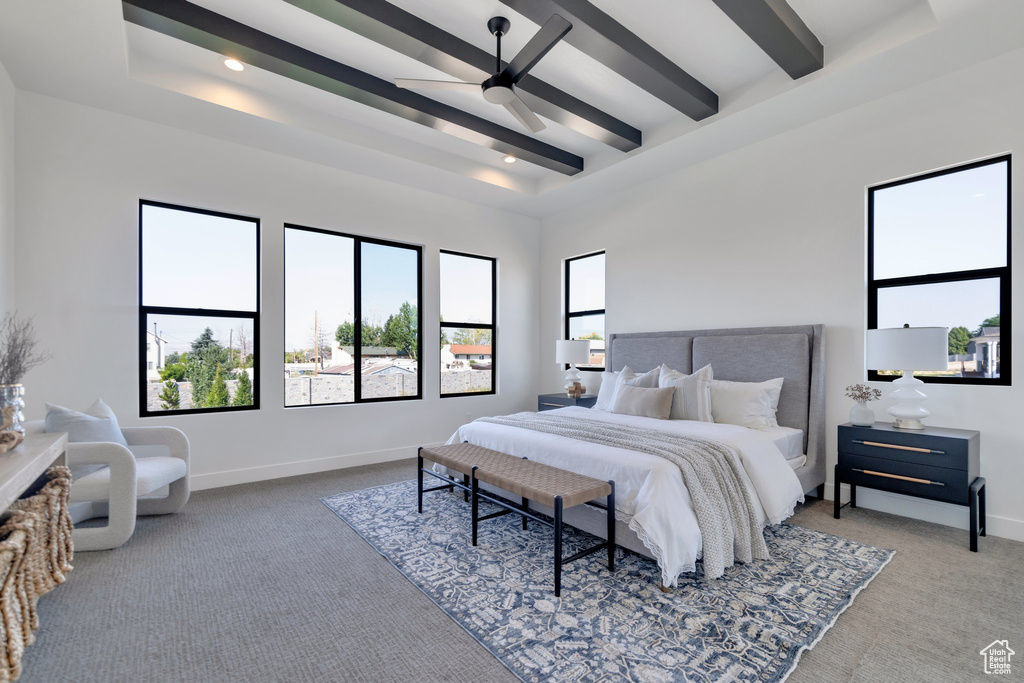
(172,437)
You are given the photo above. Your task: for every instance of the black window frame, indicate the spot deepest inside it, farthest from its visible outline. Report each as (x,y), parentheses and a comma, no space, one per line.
(568,315)
(145,311)
(493,326)
(1002,273)
(357,313)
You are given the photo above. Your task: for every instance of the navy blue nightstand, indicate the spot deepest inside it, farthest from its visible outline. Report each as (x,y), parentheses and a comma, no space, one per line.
(553,401)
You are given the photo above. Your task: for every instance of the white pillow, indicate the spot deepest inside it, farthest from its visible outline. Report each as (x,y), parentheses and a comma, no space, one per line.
(606,394)
(692,398)
(747,404)
(97,423)
(642,401)
(648,380)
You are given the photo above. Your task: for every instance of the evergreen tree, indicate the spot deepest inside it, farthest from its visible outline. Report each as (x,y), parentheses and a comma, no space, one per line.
(444,335)
(345,334)
(401,330)
(372,334)
(958,339)
(217,396)
(243,392)
(170,397)
(200,374)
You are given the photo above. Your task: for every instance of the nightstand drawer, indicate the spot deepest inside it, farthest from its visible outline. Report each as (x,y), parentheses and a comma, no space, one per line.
(556,401)
(922,449)
(908,478)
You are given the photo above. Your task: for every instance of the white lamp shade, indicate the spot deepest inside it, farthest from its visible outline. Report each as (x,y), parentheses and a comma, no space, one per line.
(573,351)
(908,348)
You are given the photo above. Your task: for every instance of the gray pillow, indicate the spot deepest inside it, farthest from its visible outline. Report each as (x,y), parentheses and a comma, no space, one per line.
(656,403)
(97,423)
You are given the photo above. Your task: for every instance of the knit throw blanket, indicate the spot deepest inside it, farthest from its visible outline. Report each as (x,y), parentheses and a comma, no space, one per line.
(723,506)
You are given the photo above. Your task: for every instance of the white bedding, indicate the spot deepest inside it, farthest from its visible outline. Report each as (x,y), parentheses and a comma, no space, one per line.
(649,491)
(790,441)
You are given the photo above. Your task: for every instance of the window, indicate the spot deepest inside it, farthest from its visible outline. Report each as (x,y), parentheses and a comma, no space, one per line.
(584,305)
(199,310)
(468,317)
(939,255)
(352,320)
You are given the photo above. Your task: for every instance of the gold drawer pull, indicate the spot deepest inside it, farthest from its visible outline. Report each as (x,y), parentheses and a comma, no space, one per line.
(556,405)
(898,447)
(898,476)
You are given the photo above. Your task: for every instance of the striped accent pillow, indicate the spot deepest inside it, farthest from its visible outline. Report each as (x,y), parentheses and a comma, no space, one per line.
(692,397)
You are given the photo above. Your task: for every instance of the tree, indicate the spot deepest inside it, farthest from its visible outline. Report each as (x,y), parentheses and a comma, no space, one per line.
(345,335)
(958,339)
(217,396)
(242,333)
(173,359)
(170,397)
(243,392)
(472,337)
(444,335)
(593,335)
(173,371)
(372,333)
(401,329)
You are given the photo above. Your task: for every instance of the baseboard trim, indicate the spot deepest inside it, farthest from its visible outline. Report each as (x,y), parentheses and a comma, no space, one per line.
(246,475)
(927,510)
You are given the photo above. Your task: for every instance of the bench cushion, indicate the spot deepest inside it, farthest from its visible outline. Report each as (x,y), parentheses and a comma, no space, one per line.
(532,480)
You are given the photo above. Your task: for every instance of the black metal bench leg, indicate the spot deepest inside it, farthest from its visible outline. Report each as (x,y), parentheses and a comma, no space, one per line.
(465,493)
(853,496)
(526,508)
(611,527)
(558,546)
(419,480)
(475,485)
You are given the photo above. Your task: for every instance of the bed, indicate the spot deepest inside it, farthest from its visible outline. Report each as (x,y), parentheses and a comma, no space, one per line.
(654,511)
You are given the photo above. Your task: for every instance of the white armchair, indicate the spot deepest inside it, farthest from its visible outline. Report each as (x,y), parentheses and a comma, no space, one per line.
(119,483)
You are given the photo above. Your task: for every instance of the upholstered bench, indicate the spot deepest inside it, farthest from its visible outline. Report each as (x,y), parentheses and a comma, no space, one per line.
(532,481)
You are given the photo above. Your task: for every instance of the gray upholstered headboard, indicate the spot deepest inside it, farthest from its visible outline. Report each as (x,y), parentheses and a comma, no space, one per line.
(747,354)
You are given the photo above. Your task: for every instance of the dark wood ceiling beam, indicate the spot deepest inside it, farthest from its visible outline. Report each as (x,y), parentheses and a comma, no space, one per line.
(206,29)
(779,31)
(609,42)
(406,33)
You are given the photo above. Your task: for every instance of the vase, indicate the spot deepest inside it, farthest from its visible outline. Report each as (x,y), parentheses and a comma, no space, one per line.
(14,395)
(861,414)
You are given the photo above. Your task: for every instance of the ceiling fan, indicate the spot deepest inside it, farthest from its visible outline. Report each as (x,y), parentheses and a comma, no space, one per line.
(500,88)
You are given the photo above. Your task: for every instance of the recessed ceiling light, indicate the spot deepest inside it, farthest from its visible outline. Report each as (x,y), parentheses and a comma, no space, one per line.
(509,159)
(234,64)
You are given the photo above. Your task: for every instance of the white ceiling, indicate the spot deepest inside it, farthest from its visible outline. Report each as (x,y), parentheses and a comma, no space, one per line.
(85,52)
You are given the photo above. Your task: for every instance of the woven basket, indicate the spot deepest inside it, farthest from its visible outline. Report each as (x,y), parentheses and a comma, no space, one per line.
(12,601)
(35,556)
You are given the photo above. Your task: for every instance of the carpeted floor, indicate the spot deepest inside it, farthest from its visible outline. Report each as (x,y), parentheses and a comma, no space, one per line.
(261,582)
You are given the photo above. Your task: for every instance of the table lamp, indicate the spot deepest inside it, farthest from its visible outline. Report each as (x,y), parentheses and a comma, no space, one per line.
(572,351)
(908,348)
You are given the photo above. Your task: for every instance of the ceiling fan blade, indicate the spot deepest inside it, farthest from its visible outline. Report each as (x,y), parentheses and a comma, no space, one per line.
(417,84)
(543,40)
(524,115)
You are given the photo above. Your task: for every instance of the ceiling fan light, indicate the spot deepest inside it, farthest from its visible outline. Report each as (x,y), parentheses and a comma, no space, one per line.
(233,64)
(509,159)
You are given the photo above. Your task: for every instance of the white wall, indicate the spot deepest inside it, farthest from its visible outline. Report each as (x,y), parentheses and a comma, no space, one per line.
(81,173)
(6,191)
(774,234)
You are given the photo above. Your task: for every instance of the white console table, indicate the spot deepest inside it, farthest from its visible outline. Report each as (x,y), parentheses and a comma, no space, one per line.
(20,467)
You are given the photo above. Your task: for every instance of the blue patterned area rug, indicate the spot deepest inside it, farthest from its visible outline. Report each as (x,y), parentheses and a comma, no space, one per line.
(750,625)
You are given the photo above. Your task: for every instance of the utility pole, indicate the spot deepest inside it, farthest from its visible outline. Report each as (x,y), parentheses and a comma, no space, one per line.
(316,346)
(231,347)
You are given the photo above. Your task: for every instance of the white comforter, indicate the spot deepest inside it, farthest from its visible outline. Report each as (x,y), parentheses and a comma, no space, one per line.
(649,491)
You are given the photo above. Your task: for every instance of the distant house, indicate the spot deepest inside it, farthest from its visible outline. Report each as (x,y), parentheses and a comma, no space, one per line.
(467,352)
(986,347)
(155,354)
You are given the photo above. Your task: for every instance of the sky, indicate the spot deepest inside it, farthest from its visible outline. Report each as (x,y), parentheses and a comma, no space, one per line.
(947,223)
(179,331)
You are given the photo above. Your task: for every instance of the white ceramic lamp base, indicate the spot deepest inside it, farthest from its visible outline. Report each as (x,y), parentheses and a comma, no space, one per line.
(908,408)
(572,376)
